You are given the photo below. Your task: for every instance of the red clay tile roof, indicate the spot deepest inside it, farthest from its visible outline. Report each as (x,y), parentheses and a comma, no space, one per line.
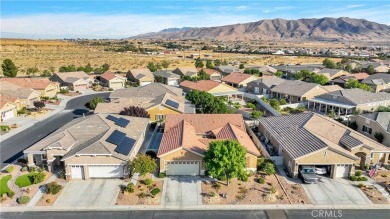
(108,75)
(236,77)
(208,71)
(360,76)
(186,131)
(203,85)
(34,83)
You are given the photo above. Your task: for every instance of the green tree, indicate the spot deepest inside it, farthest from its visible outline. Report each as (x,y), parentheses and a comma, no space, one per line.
(353,83)
(32,71)
(274,103)
(278,74)
(318,79)
(202,75)
(242,66)
(142,164)
(329,63)
(370,69)
(88,68)
(302,75)
(158,78)
(45,73)
(165,64)
(225,62)
(379,136)
(344,60)
(94,102)
(9,68)
(209,64)
(152,67)
(217,62)
(268,168)
(207,103)
(225,158)
(199,63)
(348,68)
(256,114)
(69,68)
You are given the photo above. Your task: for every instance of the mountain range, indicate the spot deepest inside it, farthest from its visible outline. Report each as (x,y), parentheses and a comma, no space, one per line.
(306,29)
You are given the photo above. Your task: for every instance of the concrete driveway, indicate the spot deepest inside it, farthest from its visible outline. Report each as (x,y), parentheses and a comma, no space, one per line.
(182,190)
(93,192)
(335,192)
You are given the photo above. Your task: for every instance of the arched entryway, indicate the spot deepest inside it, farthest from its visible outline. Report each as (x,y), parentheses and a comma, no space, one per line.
(361,164)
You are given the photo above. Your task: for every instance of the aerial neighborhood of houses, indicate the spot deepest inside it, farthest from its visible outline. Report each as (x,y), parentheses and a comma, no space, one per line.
(238,133)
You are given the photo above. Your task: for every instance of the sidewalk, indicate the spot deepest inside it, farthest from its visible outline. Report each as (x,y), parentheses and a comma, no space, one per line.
(35,199)
(27,122)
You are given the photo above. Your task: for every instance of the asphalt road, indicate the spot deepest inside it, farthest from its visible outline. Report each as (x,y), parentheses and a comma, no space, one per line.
(194,214)
(12,148)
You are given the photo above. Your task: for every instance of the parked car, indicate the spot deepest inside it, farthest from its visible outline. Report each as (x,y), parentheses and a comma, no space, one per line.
(308,174)
(320,170)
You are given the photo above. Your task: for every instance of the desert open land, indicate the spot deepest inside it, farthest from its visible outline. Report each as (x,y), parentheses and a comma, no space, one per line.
(51,54)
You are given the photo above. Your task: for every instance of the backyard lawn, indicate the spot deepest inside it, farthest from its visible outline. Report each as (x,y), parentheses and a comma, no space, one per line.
(3,184)
(24,180)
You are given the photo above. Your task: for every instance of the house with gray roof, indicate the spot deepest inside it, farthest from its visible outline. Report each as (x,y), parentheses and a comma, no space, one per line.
(186,71)
(95,146)
(141,76)
(378,82)
(370,123)
(345,102)
(332,73)
(263,85)
(75,81)
(313,139)
(295,91)
(167,77)
(227,69)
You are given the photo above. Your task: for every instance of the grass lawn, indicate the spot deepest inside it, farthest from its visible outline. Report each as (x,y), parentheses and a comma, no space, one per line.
(24,180)
(3,184)
(4,128)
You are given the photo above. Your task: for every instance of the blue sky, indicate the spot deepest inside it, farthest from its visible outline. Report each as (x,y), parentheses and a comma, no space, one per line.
(120,18)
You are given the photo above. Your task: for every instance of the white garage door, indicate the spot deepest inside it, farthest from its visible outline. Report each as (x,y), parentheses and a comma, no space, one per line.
(77,172)
(117,85)
(7,114)
(109,171)
(173,82)
(145,83)
(182,168)
(342,170)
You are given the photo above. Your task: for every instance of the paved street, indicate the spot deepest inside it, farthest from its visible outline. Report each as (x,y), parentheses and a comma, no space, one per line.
(195,214)
(182,190)
(93,192)
(335,192)
(12,148)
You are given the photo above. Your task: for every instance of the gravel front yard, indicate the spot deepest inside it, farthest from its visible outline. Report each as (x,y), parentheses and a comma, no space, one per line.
(136,198)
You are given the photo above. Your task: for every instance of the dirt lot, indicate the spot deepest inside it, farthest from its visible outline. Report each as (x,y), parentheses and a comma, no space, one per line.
(51,54)
(135,199)
(252,192)
(374,195)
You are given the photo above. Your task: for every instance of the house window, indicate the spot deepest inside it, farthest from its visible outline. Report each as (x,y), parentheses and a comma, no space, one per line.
(159,117)
(44,156)
(367,129)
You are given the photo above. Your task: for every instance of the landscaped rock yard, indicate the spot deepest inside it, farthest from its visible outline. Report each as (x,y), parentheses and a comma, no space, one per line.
(49,197)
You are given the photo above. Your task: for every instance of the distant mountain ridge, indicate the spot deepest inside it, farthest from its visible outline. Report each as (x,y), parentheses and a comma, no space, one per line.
(306,29)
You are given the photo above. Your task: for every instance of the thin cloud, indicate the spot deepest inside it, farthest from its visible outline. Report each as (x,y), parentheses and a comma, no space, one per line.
(354,6)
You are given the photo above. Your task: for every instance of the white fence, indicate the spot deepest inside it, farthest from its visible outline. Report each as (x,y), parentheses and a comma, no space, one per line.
(262,103)
(294,105)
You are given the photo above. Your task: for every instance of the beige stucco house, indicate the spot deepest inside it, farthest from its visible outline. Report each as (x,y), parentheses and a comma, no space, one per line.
(313,139)
(112,80)
(96,146)
(141,76)
(370,123)
(378,82)
(43,86)
(296,91)
(75,81)
(187,136)
(8,108)
(238,79)
(26,96)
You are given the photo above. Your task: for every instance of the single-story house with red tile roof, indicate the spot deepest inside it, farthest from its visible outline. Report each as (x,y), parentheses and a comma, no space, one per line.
(238,79)
(44,86)
(187,136)
(112,80)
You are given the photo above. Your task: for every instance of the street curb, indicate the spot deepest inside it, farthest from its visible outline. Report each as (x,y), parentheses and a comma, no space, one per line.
(197,207)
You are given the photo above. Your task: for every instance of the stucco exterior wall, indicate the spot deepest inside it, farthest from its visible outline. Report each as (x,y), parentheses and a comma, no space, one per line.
(181,155)
(360,121)
(160,110)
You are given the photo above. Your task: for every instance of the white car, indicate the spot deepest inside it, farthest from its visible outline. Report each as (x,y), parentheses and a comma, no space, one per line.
(320,170)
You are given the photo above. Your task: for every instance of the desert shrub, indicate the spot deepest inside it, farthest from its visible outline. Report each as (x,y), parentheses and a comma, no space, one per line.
(268,168)
(37,177)
(64,91)
(161,175)
(273,190)
(383,175)
(10,194)
(33,169)
(61,174)
(53,188)
(129,188)
(353,178)
(282,102)
(211,194)
(216,186)
(361,178)
(110,89)
(141,195)
(261,180)
(10,169)
(23,200)
(48,200)
(24,169)
(260,162)
(360,185)
(45,98)
(155,191)
(358,173)
(243,176)
(148,182)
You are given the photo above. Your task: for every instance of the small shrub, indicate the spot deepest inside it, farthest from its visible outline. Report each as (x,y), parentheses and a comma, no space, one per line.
(361,178)
(33,169)
(24,169)
(62,175)
(10,169)
(37,177)
(269,168)
(110,89)
(129,188)
(148,182)
(211,194)
(155,191)
(23,200)
(360,185)
(353,178)
(261,180)
(48,200)
(358,173)
(273,190)
(53,188)
(10,194)
(260,162)
(161,175)
(216,186)
(383,175)
(141,195)
(243,177)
